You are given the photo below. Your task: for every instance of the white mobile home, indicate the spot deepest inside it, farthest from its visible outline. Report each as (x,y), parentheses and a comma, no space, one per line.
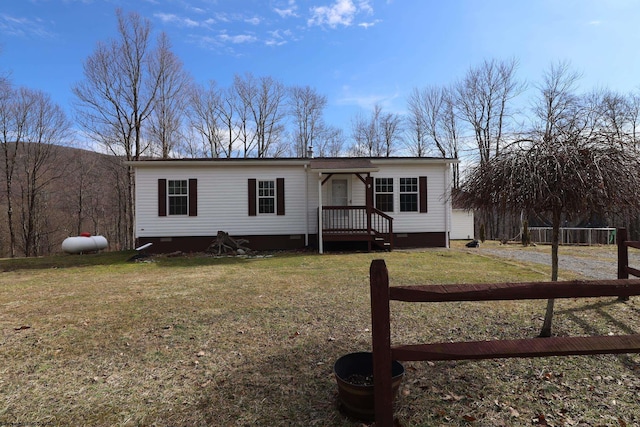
(282,203)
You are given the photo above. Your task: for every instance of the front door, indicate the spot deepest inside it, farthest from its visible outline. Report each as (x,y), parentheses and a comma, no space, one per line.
(339,192)
(340,197)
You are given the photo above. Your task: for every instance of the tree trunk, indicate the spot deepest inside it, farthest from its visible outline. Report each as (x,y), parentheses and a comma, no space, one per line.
(9,163)
(555,243)
(225,243)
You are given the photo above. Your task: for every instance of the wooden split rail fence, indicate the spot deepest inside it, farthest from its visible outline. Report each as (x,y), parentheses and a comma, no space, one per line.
(384,353)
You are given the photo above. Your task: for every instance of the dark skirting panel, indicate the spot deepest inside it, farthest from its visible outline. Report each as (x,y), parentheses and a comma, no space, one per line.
(282,242)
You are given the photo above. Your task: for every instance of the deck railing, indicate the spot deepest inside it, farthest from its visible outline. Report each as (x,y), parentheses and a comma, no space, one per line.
(344,219)
(354,220)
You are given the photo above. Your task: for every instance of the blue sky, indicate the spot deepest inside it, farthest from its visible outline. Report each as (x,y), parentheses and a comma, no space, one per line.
(356,52)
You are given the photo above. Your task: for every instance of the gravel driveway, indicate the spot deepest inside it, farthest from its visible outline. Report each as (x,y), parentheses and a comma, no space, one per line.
(605,267)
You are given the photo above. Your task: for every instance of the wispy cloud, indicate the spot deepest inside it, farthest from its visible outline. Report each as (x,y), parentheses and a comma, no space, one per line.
(23,27)
(365,6)
(340,13)
(366,25)
(595,23)
(290,10)
(368,101)
(253,21)
(284,13)
(237,39)
(175,19)
(278,37)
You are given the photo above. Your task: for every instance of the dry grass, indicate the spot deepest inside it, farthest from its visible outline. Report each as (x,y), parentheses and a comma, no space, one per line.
(251,342)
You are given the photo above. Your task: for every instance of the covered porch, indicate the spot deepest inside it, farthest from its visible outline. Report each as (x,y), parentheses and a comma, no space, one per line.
(339,220)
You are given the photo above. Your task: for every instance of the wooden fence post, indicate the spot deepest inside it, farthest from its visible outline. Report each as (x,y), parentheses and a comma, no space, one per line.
(623,257)
(381,343)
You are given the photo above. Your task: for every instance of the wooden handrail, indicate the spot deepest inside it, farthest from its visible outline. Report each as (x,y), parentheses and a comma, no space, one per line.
(515,291)
(382,214)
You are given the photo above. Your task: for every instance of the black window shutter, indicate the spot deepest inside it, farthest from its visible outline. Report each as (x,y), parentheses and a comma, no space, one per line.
(280,196)
(162,197)
(423,193)
(193,197)
(252,197)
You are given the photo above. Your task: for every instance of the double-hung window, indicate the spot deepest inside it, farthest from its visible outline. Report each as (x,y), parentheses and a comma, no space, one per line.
(384,194)
(177,197)
(178,192)
(266,197)
(408,194)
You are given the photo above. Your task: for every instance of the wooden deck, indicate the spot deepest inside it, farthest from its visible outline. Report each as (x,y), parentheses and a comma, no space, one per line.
(357,224)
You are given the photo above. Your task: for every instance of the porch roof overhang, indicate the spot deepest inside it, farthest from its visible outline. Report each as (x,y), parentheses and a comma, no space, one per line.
(343,165)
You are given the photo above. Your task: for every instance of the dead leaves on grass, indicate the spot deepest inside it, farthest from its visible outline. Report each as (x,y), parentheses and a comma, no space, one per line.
(461,394)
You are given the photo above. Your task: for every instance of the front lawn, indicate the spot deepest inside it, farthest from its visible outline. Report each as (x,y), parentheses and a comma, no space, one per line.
(251,342)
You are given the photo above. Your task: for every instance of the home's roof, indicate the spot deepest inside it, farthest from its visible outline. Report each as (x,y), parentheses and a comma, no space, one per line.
(342,165)
(318,164)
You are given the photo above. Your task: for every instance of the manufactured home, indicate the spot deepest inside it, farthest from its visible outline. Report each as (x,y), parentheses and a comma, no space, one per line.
(294,203)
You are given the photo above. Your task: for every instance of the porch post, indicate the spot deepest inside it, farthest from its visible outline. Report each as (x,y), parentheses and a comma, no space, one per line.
(320,245)
(447,206)
(368,188)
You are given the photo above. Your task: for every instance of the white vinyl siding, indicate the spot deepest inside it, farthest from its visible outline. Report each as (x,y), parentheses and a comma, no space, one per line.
(437,198)
(222,201)
(223,198)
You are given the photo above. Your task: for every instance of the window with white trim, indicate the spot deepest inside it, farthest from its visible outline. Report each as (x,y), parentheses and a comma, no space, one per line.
(408,194)
(266,197)
(178,194)
(384,194)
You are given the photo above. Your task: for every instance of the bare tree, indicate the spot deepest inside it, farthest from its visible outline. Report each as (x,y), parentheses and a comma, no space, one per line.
(615,112)
(557,106)
(261,113)
(566,168)
(45,125)
(433,123)
(118,94)
(391,132)
(12,127)
(415,125)
(560,178)
(306,107)
(229,119)
(359,133)
(482,99)
(451,130)
(246,135)
(170,102)
(427,107)
(330,142)
(633,101)
(30,125)
(204,112)
(366,134)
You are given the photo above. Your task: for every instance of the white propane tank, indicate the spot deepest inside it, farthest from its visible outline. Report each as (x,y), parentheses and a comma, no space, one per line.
(83,243)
